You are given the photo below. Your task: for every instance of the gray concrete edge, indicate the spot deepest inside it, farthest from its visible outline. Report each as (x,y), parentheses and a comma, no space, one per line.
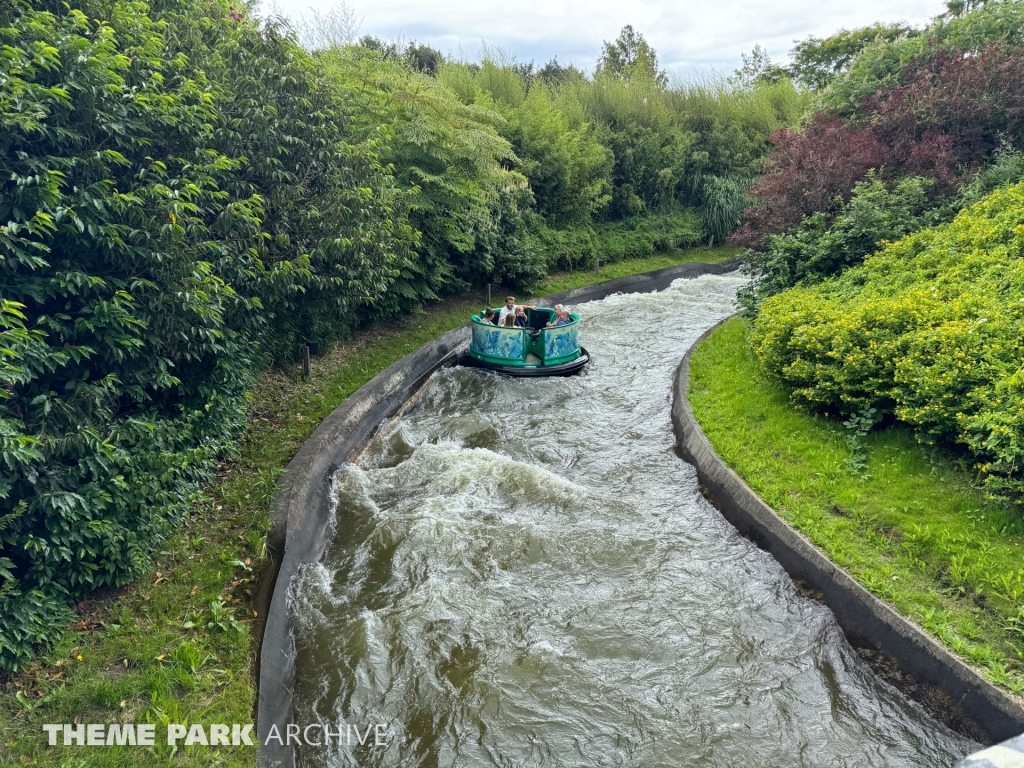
(301,514)
(868,622)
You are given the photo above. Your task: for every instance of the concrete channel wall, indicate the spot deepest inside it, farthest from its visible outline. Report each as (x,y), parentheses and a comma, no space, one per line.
(949,688)
(301,515)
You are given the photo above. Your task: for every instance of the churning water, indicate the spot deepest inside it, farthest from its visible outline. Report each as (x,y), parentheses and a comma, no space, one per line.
(523,573)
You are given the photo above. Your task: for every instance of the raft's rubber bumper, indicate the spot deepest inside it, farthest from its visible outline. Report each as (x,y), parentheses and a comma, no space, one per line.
(561,369)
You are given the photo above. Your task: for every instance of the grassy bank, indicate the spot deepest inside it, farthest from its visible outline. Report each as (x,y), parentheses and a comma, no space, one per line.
(905,520)
(176,646)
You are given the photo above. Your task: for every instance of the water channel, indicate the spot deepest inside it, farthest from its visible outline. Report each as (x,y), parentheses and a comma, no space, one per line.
(523,573)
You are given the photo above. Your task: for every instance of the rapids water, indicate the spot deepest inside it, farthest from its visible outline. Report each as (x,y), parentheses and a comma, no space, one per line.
(523,573)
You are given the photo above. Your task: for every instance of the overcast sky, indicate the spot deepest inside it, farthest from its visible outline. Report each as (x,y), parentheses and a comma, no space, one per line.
(690,37)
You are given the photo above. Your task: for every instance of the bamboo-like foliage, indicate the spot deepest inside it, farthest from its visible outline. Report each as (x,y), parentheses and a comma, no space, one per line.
(724,200)
(449,156)
(691,145)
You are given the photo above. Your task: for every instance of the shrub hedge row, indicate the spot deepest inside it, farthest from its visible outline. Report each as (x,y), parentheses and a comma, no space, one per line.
(929,330)
(160,234)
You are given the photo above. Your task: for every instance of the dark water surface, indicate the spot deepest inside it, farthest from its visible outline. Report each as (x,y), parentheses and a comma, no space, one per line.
(525,574)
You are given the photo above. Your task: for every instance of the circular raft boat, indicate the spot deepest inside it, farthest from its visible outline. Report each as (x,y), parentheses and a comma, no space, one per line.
(537,350)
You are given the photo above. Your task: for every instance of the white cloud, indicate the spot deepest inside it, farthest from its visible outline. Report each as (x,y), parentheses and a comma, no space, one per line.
(688,36)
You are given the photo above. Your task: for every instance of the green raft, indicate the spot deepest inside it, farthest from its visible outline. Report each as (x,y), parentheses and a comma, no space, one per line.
(533,351)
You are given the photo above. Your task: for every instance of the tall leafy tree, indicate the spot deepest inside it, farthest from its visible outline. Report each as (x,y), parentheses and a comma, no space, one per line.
(568,168)
(816,61)
(630,57)
(449,157)
(757,68)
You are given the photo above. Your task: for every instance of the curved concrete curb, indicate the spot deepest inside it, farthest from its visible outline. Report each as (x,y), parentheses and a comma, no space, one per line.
(1009,754)
(979,709)
(302,512)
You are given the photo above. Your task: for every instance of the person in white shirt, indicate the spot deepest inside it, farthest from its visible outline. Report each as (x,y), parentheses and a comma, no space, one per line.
(510,309)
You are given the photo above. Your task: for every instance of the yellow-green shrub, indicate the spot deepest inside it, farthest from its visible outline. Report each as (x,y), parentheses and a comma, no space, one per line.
(929,329)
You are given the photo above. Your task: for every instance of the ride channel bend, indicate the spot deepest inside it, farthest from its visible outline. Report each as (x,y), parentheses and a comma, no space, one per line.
(523,573)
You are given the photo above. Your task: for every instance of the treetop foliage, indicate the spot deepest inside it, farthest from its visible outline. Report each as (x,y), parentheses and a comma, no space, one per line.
(816,62)
(883,62)
(945,119)
(630,57)
(758,68)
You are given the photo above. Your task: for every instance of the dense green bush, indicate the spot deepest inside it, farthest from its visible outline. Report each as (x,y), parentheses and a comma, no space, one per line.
(133,382)
(929,330)
(635,238)
(822,246)
(333,226)
(154,263)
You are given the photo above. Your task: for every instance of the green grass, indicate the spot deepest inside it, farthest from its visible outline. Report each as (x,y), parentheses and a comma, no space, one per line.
(909,523)
(156,652)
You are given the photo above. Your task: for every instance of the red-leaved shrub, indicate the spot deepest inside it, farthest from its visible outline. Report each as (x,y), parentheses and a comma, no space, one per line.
(807,171)
(949,115)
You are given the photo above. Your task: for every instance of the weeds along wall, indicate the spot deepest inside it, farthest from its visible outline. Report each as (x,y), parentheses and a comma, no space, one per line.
(187,195)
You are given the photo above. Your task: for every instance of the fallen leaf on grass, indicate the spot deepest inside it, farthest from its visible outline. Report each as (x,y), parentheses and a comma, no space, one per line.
(84,626)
